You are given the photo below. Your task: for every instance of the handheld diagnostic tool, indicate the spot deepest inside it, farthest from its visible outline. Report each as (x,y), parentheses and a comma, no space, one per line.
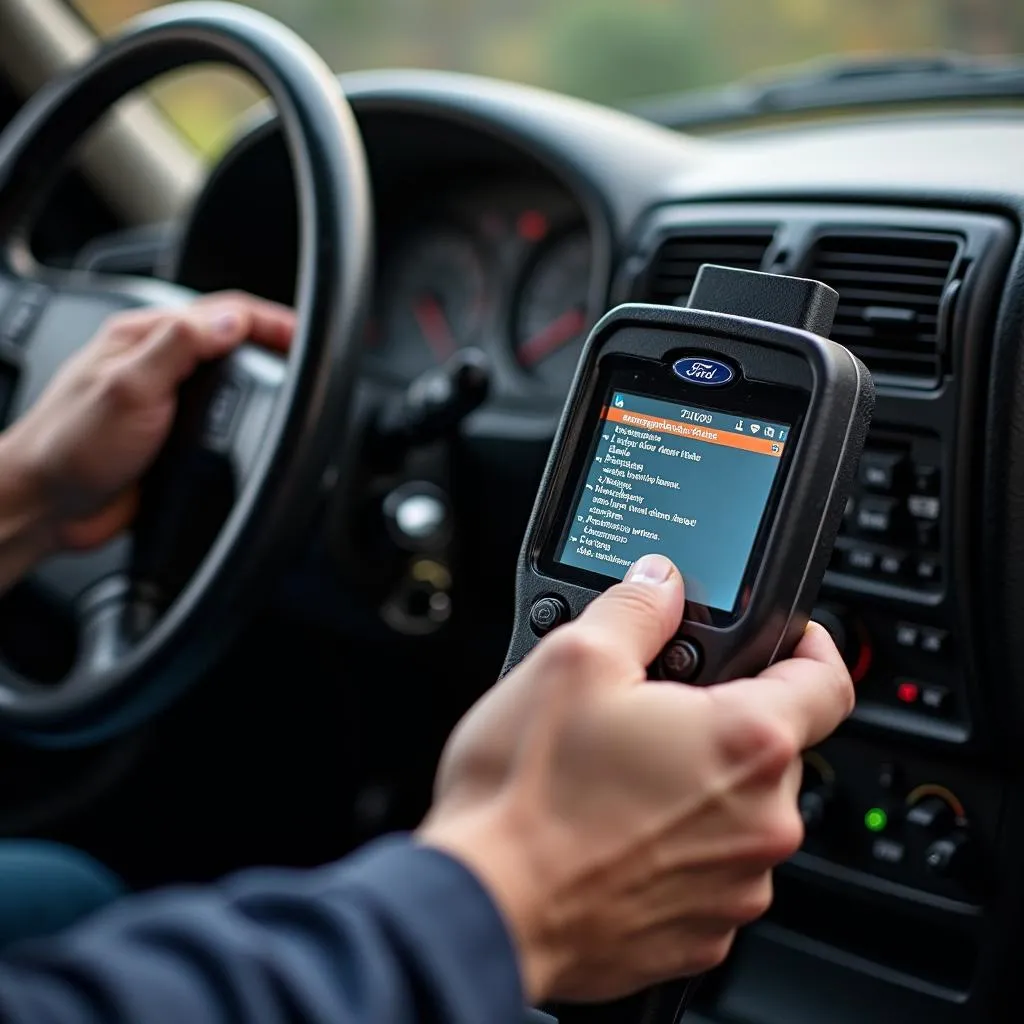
(724,435)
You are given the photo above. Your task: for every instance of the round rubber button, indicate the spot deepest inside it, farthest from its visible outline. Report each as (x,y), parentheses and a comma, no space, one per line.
(681,660)
(547,614)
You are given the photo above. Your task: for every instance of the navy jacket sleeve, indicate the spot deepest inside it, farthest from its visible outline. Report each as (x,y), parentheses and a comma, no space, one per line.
(396,934)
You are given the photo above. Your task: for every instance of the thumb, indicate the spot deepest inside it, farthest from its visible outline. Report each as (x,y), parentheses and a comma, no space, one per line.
(638,616)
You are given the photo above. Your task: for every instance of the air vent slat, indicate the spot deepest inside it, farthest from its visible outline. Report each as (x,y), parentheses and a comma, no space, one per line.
(891,286)
(876,260)
(675,265)
(888,279)
(876,296)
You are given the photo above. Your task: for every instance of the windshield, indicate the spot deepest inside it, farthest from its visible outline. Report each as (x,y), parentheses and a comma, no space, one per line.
(611,51)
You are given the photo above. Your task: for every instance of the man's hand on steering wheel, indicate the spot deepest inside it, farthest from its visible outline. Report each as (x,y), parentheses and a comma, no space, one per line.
(76,457)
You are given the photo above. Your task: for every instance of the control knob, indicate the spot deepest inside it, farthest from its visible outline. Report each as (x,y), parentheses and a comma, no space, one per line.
(941,837)
(818,794)
(947,857)
(833,625)
(814,806)
(849,636)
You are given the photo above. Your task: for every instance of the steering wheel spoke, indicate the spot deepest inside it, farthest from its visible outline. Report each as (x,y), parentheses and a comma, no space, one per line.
(46,318)
(225,414)
(239,410)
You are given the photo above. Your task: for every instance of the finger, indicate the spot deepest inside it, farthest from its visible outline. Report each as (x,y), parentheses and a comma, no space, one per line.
(228,318)
(792,781)
(178,342)
(85,534)
(639,615)
(817,645)
(260,320)
(811,693)
(165,357)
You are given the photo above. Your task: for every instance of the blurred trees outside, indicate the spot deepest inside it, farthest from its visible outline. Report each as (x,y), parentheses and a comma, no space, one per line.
(611,51)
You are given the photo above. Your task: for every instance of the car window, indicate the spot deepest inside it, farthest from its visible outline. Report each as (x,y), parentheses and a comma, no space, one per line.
(611,51)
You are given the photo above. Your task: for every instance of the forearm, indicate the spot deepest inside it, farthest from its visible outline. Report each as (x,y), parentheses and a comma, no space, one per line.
(26,536)
(398,935)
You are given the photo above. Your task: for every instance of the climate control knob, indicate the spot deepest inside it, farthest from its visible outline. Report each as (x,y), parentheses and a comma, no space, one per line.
(833,625)
(933,814)
(849,636)
(818,793)
(940,837)
(814,805)
(947,857)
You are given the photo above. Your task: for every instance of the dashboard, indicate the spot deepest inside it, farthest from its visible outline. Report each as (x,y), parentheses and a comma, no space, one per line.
(509,220)
(478,246)
(505,268)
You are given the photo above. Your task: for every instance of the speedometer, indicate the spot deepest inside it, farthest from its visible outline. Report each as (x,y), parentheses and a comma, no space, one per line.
(434,297)
(551,318)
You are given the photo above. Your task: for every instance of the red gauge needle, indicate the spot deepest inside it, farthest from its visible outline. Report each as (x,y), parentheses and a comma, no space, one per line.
(554,336)
(435,328)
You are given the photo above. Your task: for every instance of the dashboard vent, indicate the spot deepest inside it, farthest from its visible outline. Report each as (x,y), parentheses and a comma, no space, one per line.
(891,287)
(674,267)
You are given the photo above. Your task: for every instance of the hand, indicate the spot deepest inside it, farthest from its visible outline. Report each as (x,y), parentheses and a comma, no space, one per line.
(80,451)
(628,828)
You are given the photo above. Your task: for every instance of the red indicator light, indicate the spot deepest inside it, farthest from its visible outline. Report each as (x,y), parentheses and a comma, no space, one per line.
(532,226)
(908,692)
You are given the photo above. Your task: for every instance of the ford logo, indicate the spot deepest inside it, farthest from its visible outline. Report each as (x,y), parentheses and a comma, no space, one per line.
(709,372)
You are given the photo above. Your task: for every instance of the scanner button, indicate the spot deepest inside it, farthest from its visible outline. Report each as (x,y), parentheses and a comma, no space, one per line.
(681,661)
(547,614)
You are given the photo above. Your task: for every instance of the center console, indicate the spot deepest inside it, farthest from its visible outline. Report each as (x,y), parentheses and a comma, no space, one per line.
(888,908)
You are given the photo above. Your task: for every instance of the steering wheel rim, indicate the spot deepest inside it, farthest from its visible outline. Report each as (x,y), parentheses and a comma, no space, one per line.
(303,430)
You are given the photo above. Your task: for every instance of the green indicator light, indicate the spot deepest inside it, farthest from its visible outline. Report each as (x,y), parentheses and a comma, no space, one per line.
(876,819)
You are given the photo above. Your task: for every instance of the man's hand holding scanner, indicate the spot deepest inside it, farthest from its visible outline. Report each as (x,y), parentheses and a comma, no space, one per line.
(627,828)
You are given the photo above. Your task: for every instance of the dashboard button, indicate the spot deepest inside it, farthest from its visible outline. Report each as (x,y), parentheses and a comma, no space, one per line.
(22,314)
(887,851)
(927,535)
(924,506)
(875,515)
(892,563)
(879,471)
(926,479)
(681,661)
(933,641)
(907,692)
(928,570)
(547,614)
(861,559)
(907,634)
(221,414)
(936,698)
(888,775)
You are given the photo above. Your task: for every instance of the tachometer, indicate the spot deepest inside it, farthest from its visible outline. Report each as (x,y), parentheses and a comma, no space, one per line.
(432,302)
(551,317)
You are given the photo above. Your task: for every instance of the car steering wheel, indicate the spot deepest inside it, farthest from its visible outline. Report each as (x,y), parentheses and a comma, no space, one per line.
(153,609)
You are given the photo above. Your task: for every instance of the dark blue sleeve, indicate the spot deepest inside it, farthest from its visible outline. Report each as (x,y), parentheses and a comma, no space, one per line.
(396,934)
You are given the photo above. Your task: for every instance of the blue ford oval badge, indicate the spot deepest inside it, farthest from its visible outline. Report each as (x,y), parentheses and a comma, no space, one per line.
(709,372)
